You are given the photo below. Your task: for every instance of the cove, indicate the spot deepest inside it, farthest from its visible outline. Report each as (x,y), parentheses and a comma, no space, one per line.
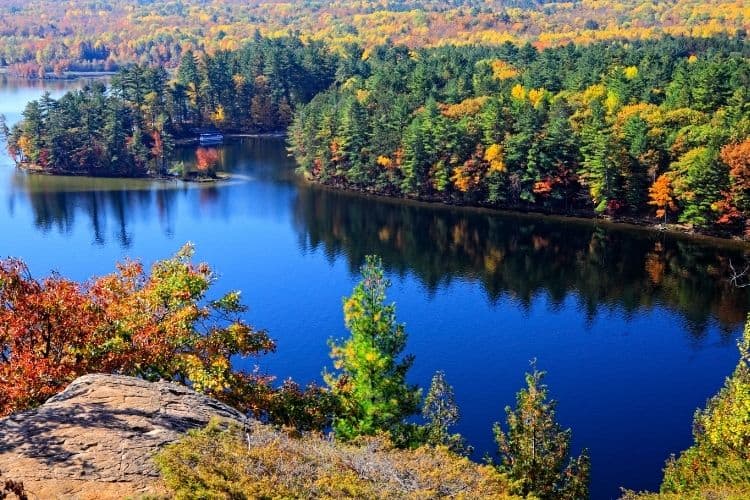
(636,329)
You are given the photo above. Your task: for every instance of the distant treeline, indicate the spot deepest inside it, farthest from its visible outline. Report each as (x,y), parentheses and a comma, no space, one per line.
(639,128)
(48,37)
(130,129)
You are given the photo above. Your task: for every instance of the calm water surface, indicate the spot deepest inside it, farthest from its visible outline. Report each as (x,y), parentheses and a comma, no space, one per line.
(635,329)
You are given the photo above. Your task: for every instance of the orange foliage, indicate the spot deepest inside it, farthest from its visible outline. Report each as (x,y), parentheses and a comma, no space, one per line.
(152,325)
(737,158)
(87,36)
(158,147)
(385,162)
(543,187)
(660,196)
(468,176)
(206,159)
(467,107)
(656,265)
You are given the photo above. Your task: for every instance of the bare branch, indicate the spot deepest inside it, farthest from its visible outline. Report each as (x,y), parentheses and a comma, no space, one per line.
(739,279)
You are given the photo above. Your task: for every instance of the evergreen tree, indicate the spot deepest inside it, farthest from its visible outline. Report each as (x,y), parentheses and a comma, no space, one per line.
(441,412)
(370,377)
(534,449)
(599,167)
(353,135)
(636,175)
(416,157)
(699,184)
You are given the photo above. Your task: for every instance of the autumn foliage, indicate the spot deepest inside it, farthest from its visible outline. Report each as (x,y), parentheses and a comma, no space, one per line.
(206,160)
(156,325)
(660,196)
(96,36)
(737,158)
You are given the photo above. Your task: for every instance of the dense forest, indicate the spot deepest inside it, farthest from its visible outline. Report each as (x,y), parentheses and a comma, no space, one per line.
(130,128)
(652,130)
(658,128)
(48,37)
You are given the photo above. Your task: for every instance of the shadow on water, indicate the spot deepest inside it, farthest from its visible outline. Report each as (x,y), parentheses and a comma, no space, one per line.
(518,257)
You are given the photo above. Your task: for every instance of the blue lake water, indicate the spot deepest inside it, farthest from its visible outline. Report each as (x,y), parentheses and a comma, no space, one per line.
(635,329)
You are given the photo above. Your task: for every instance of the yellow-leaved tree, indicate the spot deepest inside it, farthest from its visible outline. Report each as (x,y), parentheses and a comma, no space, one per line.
(720,458)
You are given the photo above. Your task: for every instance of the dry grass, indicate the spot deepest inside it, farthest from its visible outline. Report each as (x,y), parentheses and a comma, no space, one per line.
(260,462)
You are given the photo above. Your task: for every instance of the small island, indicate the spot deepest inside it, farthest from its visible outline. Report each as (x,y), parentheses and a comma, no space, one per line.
(94,132)
(131,126)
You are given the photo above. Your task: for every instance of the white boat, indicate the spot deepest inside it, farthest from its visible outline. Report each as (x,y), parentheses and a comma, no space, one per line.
(211,138)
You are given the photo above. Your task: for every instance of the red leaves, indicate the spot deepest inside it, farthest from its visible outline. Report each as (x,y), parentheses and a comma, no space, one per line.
(543,187)
(44,327)
(151,325)
(728,214)
(206,160)
(157,149)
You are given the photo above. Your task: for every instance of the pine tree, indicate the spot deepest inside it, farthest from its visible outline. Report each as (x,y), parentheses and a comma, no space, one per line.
(441,412)
(370,377)
(416,157)
(534,449)
(636,176)
(700,180)
(599,167)
(353,141)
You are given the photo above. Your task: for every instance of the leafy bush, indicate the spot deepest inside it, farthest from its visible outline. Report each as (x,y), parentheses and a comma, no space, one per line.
(721,453)
(153,325)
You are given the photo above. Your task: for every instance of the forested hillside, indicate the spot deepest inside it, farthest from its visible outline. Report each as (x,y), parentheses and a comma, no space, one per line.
(656,128)
(50,36)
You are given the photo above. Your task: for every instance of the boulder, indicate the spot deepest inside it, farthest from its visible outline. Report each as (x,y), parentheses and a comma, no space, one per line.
(96,439)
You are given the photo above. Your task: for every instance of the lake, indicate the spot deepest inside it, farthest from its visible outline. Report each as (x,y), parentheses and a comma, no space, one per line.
(636,329)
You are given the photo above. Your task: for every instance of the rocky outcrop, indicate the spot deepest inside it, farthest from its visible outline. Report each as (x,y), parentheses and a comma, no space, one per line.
(96,439)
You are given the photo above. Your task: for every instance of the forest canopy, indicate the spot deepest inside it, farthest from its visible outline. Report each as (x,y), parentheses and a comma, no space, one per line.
(640,129)
(655,130)
(51,37)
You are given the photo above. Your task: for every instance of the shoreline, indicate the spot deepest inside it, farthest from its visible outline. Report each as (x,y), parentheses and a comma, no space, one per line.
(36,170)
(188,141)
(623,223)
(650,226)
(67,75)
